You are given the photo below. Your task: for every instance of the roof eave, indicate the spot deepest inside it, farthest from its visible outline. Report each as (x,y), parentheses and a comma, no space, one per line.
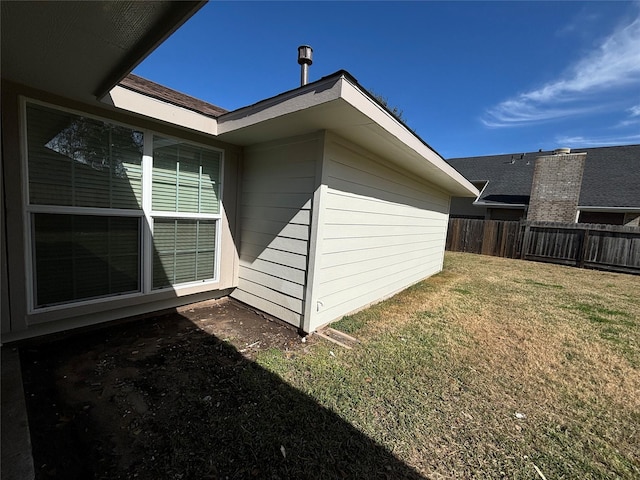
(157,109)
(89,56)
(596,208)
(500,205)
(339,104)
(182,11)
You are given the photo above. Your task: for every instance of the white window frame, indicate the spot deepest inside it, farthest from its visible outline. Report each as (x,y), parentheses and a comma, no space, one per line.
(145,216)
(180,216)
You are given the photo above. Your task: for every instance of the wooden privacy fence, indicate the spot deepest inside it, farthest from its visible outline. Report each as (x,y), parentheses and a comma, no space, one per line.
(605,247)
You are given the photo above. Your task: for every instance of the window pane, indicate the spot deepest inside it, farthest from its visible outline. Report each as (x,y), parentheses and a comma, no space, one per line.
(78,257)
(184,251)
(185,177)
(82,162)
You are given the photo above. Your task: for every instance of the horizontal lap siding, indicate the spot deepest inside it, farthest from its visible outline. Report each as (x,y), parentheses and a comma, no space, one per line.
(382,231)
(277,188)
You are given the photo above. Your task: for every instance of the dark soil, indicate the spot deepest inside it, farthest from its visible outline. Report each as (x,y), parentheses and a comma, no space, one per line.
(178,397)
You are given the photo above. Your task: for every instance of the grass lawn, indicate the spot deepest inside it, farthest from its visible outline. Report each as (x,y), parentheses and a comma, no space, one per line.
(493,368)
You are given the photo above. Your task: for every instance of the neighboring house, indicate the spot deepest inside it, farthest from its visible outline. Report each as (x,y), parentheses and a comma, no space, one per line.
(122,197)
(602,183)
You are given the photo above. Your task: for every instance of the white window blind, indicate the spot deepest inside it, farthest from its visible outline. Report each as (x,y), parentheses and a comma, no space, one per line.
(75,161)
(184,251)
(82,162)
(86,204)
(185,181)
(83,256)
(185,177)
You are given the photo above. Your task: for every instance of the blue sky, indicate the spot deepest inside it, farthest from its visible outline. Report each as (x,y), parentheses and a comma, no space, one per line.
(472,78)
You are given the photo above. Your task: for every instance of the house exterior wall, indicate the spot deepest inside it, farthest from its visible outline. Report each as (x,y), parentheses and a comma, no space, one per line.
(463,207)
(19,320)
(555,189)
(278,183)
(628,219)
(508,214)
(379,230)
(609,218)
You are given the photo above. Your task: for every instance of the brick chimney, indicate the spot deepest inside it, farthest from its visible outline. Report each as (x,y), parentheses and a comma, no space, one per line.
(555,190)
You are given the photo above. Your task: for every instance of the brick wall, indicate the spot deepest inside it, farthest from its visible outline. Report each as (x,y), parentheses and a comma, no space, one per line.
(555,190)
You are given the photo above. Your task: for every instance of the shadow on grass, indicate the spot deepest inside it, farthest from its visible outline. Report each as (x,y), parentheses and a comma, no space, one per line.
(163,399)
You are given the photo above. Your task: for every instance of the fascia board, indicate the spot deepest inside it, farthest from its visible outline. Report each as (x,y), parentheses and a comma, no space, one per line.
(436,169)
(284,104)
(500,205)
(139,103)
(591,208)
(484,187)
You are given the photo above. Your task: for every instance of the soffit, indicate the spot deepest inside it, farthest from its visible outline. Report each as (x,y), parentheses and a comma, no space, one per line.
(81,50)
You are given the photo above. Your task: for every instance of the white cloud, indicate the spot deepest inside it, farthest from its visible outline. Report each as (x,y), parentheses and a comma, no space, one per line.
(613,65)
(583,142)
(633,119)
(628,123)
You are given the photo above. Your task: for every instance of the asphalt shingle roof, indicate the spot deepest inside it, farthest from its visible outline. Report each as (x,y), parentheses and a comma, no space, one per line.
(611,176)
(155,90)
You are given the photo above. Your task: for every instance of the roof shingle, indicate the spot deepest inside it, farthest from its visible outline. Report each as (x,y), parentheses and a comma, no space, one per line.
(611,176)
(160,92)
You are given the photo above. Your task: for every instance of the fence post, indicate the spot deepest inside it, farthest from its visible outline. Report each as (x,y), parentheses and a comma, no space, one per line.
(583,248)
(524,246)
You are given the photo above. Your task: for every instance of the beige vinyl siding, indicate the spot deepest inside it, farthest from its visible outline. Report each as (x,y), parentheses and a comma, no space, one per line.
(382,230)
(279,179)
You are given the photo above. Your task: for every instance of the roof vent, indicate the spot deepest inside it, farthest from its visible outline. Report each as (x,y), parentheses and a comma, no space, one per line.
(305,54)
(562,151)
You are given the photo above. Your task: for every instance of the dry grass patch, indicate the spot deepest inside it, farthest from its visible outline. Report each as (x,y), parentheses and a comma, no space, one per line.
(492,368)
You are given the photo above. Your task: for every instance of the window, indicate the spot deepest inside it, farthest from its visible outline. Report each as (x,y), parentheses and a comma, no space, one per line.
(88,201)
(185,184)
(84,256)
(184,251)
(81,162)
(185,178)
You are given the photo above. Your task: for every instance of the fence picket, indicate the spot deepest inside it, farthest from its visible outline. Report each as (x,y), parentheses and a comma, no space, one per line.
(606,247)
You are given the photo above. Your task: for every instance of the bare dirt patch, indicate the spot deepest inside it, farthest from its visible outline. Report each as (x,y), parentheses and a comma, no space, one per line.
(178,397)
(88,395)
